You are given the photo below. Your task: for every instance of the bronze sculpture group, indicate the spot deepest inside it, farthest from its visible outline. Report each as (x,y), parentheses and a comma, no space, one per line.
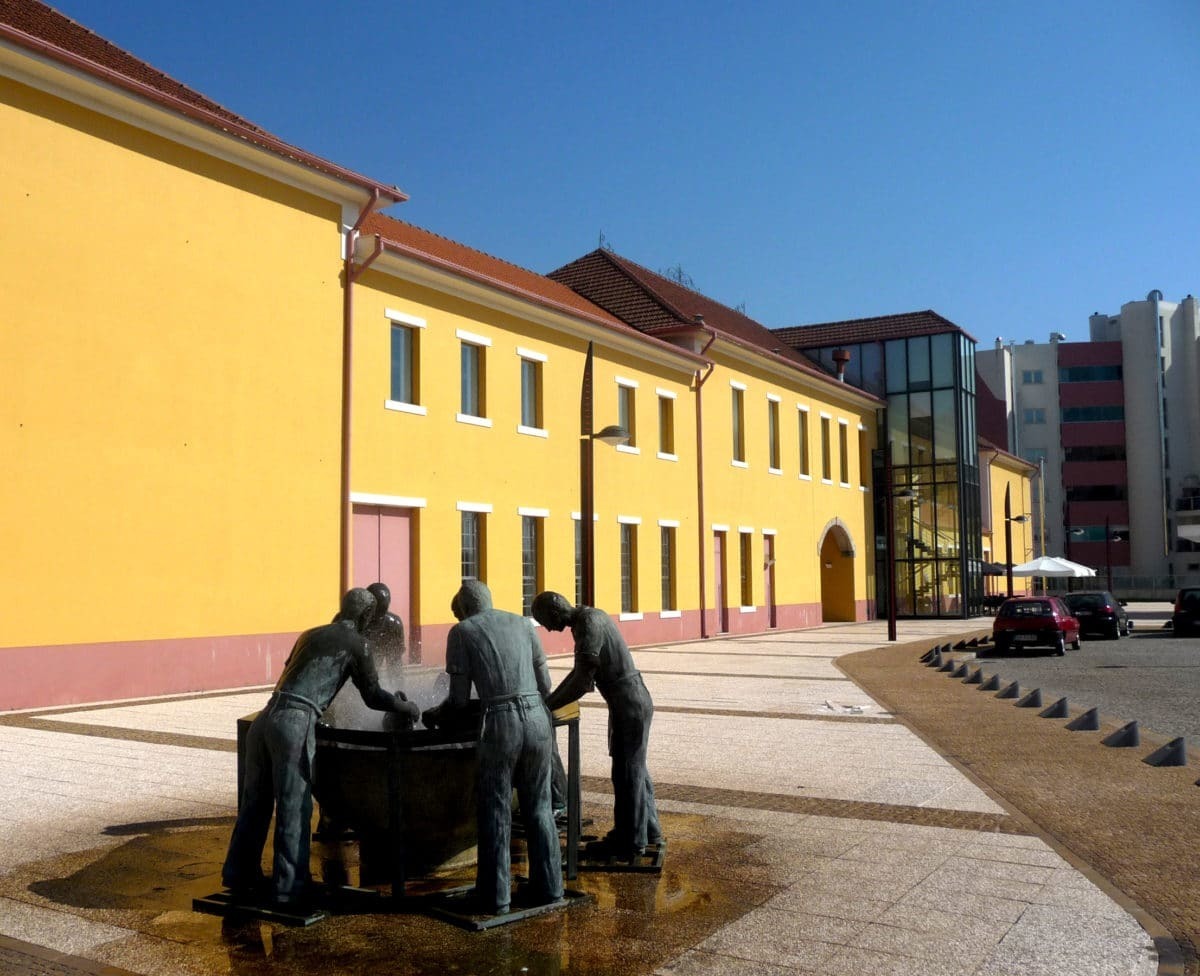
(499,654)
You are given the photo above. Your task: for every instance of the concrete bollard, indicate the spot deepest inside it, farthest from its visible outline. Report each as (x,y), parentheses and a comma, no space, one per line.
(991,684)
(928,655)
(975,677)
(948,666)
(961,645)
(1058,710)
(1089,721)
(1126,736)
(1032,700)
(936,660)
(1012,691)
(1174,753)
(961,670)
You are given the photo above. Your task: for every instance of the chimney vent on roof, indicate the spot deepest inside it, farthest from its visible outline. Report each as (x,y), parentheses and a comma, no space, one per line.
(1057,337)
(698,319)
(840,358)
(999,342)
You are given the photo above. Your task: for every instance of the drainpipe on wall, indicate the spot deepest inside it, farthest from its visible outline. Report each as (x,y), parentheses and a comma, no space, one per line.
(701,378)
(350,275)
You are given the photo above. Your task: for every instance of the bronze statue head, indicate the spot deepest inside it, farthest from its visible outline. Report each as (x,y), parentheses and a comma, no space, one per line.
(552,610)
(472,597)
(358,606)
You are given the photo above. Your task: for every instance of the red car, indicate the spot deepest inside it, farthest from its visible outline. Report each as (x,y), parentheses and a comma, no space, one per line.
(1035,621)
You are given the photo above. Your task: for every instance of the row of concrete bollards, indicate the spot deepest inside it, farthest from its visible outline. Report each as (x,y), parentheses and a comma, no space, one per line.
(1174,753)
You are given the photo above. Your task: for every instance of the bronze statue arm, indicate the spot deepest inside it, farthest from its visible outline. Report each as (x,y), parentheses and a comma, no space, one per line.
(575,685)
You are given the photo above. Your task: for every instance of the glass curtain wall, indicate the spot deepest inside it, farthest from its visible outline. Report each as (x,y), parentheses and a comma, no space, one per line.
(929,385)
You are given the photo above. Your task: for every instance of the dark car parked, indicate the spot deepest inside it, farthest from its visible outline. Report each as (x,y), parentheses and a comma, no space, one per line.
(1035,621)
(1099,613)
(1186,618)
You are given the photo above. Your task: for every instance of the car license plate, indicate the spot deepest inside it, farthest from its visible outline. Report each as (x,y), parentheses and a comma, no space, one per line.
(1026,638)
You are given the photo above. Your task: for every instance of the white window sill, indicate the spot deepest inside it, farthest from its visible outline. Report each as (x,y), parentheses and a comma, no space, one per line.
(863,488)
(532,431)
(670,614)
(748,609)
(401,407)
(774,470)
(806,477)
(827,481)
(663,456)
(844,484)
(466,418)
(740,464)
(629,616)
(627,449)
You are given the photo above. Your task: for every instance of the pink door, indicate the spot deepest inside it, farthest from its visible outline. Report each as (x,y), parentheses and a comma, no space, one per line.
(719,582)
(383,553)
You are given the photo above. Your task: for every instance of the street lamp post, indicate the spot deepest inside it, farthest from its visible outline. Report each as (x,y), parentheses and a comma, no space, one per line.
(612,434)
(1009,518)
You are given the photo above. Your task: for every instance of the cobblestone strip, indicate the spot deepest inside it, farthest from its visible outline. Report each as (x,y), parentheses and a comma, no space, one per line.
(23,959)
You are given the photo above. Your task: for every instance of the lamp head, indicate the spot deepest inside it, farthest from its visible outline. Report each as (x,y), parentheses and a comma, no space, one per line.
(612,435)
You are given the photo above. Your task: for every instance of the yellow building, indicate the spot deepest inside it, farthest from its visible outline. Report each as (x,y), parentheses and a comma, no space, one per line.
(233,389)
(172,345)
(1007,518)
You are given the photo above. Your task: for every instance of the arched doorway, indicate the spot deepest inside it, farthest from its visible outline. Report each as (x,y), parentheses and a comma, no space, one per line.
(837,572)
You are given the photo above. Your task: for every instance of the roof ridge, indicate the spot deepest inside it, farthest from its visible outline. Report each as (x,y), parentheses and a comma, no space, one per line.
(694,291)
(866,318)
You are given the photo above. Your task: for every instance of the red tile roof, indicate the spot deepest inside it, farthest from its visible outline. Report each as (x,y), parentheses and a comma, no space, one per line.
(425,246)
(876,329)
(42,29)
(655,305)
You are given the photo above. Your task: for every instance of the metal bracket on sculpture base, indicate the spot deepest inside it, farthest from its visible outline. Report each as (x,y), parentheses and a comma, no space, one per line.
(595,856)
(227,905)
(458,910)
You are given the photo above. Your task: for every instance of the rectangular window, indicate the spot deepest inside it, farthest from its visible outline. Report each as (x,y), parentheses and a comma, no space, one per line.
(864,458)
(531,561)
(667,539)
(739,427)
(804,469)
(473,531)
(1078,415)
(531,394)
(1033,415)
(666,425)
(844,452)
(471,373)
(826,452)
(1031,376)
(775,463)
(628,568)
(404,387)
(746,540)
(627,412)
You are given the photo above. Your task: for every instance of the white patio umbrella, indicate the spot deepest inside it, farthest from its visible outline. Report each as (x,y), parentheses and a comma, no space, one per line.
(1052,566)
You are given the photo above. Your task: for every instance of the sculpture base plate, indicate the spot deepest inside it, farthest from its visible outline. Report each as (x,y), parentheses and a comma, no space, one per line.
(458,910)
(595,856)
(228,905)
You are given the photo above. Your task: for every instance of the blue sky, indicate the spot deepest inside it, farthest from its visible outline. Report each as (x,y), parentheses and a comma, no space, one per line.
(1014,166)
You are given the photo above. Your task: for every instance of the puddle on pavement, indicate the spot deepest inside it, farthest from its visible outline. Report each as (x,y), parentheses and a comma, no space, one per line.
(636,923)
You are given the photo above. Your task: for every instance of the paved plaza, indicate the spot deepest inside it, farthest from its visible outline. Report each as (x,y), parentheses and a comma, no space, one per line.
(809,831)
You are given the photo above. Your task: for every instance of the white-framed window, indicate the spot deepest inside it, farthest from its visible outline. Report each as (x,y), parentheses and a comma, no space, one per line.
(746,565)
(404,381)
(1031,376)
(666,425)
(533,556)
(472,376)
(774,461)
(627,413)
(473,546)
(805,470)
(670,595)
(532,410)
(864,458)
(844,453)
(738,422)
(826,450)
(629,564)
(1034,415)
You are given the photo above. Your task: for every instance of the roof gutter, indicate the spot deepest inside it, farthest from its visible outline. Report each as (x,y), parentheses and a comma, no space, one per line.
(350,274)
(701,536)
